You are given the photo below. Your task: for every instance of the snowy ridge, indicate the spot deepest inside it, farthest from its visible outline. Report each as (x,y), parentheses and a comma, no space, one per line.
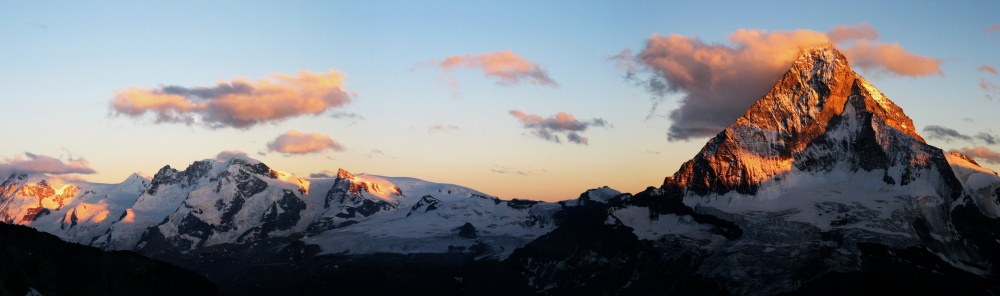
(982,184)
(75,211)
(241,201)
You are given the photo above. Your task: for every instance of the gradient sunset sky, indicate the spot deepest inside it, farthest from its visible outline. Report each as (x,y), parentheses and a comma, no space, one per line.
(518,99)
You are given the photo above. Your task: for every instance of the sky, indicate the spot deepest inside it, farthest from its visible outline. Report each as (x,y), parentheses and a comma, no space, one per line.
(519,99)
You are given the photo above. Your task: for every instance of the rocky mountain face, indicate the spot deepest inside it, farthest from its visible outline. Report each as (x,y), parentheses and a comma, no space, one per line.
(815,109)
(822,186)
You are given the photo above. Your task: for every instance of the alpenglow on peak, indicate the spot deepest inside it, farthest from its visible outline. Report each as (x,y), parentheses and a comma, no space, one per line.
(819,101)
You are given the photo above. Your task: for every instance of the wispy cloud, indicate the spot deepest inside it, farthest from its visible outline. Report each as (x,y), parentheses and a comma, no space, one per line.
(294,142)
(937,132)
(228,154)
(549,128)
(987,68)
(346,115)
(323,174)
(442,128)
(992,29)
(945,134)
(989,139)
(719,82)
(32,163)
(239,104)
(981,153)
(378,153)
(506,170)
(989,88)
(506,66)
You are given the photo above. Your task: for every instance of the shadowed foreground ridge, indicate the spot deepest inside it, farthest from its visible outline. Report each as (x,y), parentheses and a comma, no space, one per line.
(40,262)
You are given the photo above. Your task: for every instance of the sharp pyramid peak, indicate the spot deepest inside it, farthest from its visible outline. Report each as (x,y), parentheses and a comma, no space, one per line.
(817,87)
(812,97)
(344,174)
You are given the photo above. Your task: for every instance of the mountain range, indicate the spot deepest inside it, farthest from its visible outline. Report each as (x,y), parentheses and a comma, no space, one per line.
(822,186)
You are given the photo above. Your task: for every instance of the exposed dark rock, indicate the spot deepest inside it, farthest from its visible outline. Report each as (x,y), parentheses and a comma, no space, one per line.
(585,256)
(468,231)
(32,260)
(521,204)
(427,202)
(910,271)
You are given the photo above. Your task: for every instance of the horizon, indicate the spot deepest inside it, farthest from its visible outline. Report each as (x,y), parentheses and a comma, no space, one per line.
(523,100)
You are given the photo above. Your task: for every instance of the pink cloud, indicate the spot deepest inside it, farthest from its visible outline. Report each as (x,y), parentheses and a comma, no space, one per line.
(987,86)
(981,153)
(992,29)
(505,65)
(719,82)
(239,103)
(987,68)
(442,128)
(34,163)
(548,128)
(294,142)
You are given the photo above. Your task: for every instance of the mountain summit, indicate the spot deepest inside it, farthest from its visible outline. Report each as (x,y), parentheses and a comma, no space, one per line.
(818,115)
(822,187)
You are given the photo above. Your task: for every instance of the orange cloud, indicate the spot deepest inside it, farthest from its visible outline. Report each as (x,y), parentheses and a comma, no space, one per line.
(891,58)
(863,31)
(294,142)
(504,65)
(240,103)
(987,68)
(719,82)
(981,153)
(546,128)
(34,163)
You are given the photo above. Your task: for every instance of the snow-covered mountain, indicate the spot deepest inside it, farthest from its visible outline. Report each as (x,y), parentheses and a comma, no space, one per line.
(243,201)
(822,182)
(822,186)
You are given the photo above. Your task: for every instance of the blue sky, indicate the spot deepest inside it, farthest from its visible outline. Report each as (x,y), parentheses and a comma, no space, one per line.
(62,64)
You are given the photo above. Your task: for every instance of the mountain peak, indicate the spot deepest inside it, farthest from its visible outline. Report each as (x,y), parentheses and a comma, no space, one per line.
(805,104)
(814,89)
(344,174)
